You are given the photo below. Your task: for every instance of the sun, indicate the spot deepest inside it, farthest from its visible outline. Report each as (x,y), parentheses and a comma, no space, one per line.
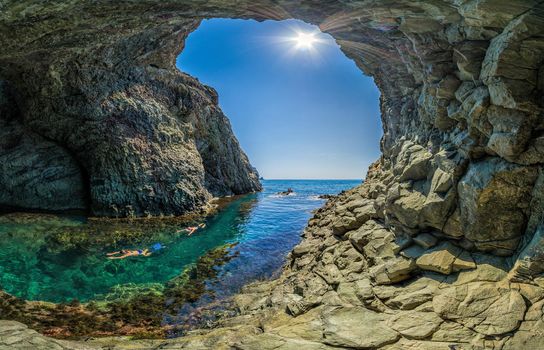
(305,40)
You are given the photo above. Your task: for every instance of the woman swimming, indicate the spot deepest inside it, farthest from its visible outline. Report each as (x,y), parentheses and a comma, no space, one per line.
(126,253)
(191,229)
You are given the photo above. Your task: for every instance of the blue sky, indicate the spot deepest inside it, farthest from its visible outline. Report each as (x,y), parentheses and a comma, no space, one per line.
(299,113)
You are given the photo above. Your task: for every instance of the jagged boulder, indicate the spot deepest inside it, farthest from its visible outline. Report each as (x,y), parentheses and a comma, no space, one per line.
(494,198)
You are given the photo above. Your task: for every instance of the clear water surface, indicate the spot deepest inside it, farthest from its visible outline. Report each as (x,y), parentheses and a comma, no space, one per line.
(61,258)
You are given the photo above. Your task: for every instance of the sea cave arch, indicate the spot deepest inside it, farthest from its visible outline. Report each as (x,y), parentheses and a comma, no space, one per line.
(91,105)
(96,99)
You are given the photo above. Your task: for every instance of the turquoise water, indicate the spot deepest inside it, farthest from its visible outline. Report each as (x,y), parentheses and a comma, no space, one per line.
(62,258)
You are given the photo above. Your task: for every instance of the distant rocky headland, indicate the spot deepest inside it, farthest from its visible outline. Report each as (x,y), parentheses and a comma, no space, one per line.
(440,248)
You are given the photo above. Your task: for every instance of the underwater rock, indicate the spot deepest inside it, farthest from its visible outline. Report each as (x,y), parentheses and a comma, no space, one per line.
(136,310)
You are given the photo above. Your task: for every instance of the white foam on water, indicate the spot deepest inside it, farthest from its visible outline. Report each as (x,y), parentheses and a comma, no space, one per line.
(282,195)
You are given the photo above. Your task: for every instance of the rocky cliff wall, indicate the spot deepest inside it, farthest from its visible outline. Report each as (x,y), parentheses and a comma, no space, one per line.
(101,120)
(442,245)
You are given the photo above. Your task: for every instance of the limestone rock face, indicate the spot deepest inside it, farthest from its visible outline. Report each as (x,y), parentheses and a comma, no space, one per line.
(357,328)
(446,230)
(482,306)
(35,173)
(495,197)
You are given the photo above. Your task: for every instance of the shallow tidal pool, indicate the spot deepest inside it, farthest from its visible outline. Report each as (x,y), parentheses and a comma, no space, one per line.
(62,259)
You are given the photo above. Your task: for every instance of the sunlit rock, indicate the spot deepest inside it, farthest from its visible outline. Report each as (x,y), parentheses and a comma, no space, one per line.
(482,306)
(494,198)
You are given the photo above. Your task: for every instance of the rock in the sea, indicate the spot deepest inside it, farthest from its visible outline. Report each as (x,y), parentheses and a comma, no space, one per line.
(326,196)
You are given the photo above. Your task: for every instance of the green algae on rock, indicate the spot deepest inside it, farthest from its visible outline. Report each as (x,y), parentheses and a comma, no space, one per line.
(139,311)
(60,258)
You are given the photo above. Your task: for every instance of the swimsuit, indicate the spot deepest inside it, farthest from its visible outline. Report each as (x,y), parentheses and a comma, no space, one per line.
(140,252)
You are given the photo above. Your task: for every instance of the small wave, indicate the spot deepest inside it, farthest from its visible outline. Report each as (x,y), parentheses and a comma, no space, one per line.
(315,198)
(292,194)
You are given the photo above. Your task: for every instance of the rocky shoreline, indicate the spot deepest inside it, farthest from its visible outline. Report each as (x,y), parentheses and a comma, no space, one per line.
(358,284)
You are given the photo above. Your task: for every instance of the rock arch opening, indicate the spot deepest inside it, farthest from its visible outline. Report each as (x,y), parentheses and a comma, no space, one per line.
(301,112)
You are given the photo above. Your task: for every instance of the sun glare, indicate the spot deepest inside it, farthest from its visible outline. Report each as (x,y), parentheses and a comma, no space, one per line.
(305,40)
